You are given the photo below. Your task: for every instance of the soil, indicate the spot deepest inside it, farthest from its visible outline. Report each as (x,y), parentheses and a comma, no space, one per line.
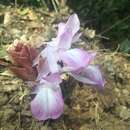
(86,108)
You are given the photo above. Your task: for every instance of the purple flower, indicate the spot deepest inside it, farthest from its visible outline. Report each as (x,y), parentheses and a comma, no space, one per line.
(57,58)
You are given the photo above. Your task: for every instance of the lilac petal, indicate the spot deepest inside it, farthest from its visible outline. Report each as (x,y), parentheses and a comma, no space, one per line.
(43,69)
(66,32)
(42,66)
(73,24)
(61,27)
(52,59)
(48,103)
(76,58)
(65,40)
(90,75)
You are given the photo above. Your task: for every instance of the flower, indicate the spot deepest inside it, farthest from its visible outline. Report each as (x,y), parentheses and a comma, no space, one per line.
(23,56)
(55,59)
(58,56)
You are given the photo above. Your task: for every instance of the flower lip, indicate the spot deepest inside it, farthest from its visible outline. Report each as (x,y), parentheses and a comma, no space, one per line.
(48,103)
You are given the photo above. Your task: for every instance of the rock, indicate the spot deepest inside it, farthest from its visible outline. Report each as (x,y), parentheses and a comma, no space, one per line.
(123,112)
(125,92)
(89,33)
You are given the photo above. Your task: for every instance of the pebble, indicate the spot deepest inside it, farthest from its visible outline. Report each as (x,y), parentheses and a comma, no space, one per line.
(123,112)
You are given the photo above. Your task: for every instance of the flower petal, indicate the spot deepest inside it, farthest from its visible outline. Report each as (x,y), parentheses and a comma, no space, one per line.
(43,68)
(48,103)
(90,75)
(73,23)
(65,40)
(76,58)
(52,59)
(66,32)
(61,27)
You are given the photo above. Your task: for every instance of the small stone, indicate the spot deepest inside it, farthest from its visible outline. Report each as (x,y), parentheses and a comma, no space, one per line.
(125,92)
(89,33)
(123,112)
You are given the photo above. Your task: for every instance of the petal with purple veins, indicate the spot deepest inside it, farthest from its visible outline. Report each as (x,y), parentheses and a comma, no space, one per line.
(73,24)
(67,31)
(48,103)
(75,59)
(43,69)
(52,59)
(90,75)
(61,27)
(65,40)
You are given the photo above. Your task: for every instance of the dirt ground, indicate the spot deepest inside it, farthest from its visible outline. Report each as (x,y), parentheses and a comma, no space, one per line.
(85,107)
